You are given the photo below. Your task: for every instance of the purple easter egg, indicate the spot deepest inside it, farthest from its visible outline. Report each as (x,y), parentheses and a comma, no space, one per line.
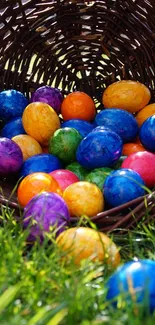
(49,95)
(47,210)
(11,157)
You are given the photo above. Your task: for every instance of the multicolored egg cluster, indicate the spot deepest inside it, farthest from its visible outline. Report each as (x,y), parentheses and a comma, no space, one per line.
(73,161)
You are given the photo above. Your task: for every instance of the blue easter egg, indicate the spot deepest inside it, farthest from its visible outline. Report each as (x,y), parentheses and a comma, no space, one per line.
(12,104)
(119,121)
(147,134)
(83,127)
(133,278)
(40,163)
(122,186)
(13,128)
(99,149)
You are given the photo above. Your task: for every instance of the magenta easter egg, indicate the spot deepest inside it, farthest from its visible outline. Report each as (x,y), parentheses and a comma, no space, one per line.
(144,164)
(43,212)
(11,157)
(64,178)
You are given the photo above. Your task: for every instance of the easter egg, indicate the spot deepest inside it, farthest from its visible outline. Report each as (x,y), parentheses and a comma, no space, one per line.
(83,198)
(64,178)
(45,163)
(130,148)
(129,95)
(47,210)
(78,105)
(119,121)
(13,128)
(145,113)
(78,170)
(135,283)
(97,176)
(40,121)
(119,162)
(81,243)
(99,149)
(28,145)
(64,143)
(147,134)
(11,157)
(144,164)
(83,127)
(48,95)
(12,104)
(34,184)
(122,186)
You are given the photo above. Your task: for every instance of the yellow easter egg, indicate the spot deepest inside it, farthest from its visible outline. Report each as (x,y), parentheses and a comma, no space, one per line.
(40,121)
(28,145)
(129,95)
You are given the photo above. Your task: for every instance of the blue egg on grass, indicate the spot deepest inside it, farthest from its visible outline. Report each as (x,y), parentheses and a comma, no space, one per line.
(40,163)
(11,157)
(12,104)
(99,149)
(135,283)
(122,186)
(147,134)
(119,121)
(49,95)
(83,127)
(47,210)
(13,128)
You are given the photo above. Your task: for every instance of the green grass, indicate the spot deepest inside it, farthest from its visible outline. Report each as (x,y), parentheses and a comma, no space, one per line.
(36,288)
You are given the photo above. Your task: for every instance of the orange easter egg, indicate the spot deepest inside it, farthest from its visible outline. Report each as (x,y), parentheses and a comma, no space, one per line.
(130,148)
(40,121)
(34,184)
(145,113)
(78,105)
(85,243)
(83,198)
(129,95)
(28,145)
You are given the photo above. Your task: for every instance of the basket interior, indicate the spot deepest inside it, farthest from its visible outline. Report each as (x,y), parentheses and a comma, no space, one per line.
(76,45)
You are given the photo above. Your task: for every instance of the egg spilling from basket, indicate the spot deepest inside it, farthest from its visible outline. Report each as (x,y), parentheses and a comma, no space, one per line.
(88,160)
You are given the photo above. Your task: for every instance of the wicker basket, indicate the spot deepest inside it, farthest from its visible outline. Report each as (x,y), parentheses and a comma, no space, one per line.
(79,45)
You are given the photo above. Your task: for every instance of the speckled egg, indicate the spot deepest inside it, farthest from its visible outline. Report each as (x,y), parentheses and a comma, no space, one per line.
(13,128)
(48,210)
(49,95)
(12,104)
(121,186)
(119,121)
(11,157)
(99,149)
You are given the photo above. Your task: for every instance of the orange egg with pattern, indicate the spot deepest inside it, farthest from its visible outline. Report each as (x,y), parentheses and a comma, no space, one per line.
(40,121)
(34,184)
(83,198)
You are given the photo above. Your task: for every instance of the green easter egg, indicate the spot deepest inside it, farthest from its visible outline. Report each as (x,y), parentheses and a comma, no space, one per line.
(78,170)
(63,144)
(98,175)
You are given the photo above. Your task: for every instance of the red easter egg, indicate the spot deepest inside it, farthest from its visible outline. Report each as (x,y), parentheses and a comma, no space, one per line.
(64,178)
(144,164)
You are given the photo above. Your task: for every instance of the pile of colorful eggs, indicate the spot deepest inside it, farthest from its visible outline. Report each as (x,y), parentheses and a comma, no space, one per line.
(72,160)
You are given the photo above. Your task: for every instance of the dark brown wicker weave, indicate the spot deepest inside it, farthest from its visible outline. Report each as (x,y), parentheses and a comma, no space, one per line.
(79,45)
